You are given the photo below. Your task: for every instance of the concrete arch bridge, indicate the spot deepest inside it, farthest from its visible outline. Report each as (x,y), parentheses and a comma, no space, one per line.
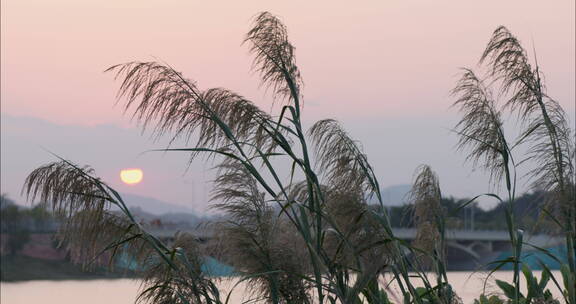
(466,249)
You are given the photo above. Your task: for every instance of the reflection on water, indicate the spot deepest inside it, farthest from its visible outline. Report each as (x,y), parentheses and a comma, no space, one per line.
(123,291)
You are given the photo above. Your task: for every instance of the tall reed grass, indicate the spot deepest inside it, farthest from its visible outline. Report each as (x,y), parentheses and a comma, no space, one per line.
(307,234)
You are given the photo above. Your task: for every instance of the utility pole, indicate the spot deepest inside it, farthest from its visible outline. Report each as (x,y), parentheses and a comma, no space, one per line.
(465,226)
(472,217)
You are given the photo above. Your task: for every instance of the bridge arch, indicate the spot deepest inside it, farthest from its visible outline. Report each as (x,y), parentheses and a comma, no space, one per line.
(456,247)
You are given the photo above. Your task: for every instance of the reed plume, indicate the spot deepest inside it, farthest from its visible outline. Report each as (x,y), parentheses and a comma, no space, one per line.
(162,97)
(92,231)
(256,240)
(274,57)
(481,131)
(341,159)
(181,282)
(480,128)
(89,228)
(291,240)
(546,126)
(428,216)
(547,131)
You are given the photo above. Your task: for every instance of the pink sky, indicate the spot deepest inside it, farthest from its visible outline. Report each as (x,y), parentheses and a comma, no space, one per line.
(387,66)
(377,59)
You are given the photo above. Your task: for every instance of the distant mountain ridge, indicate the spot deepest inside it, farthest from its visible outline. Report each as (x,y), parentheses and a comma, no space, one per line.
(396,195)
(154,206)
(149,209)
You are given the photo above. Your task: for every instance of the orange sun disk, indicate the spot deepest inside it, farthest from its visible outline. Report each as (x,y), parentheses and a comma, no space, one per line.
(131,176)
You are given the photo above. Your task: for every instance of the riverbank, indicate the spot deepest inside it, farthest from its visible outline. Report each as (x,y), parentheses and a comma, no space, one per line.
(25,268)
(468,285)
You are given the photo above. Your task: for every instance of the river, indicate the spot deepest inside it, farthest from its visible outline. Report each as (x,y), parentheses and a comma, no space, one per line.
(467,285)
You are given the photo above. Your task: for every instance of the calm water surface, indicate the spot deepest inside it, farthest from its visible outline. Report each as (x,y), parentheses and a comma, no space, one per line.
(467,285)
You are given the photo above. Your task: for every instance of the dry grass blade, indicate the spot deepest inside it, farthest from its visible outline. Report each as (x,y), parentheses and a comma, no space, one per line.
(274,57)
(480,128)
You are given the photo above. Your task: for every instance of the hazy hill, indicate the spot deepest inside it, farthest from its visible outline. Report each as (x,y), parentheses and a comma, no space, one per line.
(149,209)
(396,195)
(154,206)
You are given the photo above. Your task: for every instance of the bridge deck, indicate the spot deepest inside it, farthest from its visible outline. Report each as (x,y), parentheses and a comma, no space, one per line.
(410,234)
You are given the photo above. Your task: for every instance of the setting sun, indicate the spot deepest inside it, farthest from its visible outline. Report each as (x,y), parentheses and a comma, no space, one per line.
(131,176)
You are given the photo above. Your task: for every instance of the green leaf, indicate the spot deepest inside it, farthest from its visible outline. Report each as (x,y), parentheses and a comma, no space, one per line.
(509,290)
(569,281)
(531,282)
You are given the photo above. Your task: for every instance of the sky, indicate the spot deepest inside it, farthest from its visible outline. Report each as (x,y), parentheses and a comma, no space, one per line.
(382,68)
